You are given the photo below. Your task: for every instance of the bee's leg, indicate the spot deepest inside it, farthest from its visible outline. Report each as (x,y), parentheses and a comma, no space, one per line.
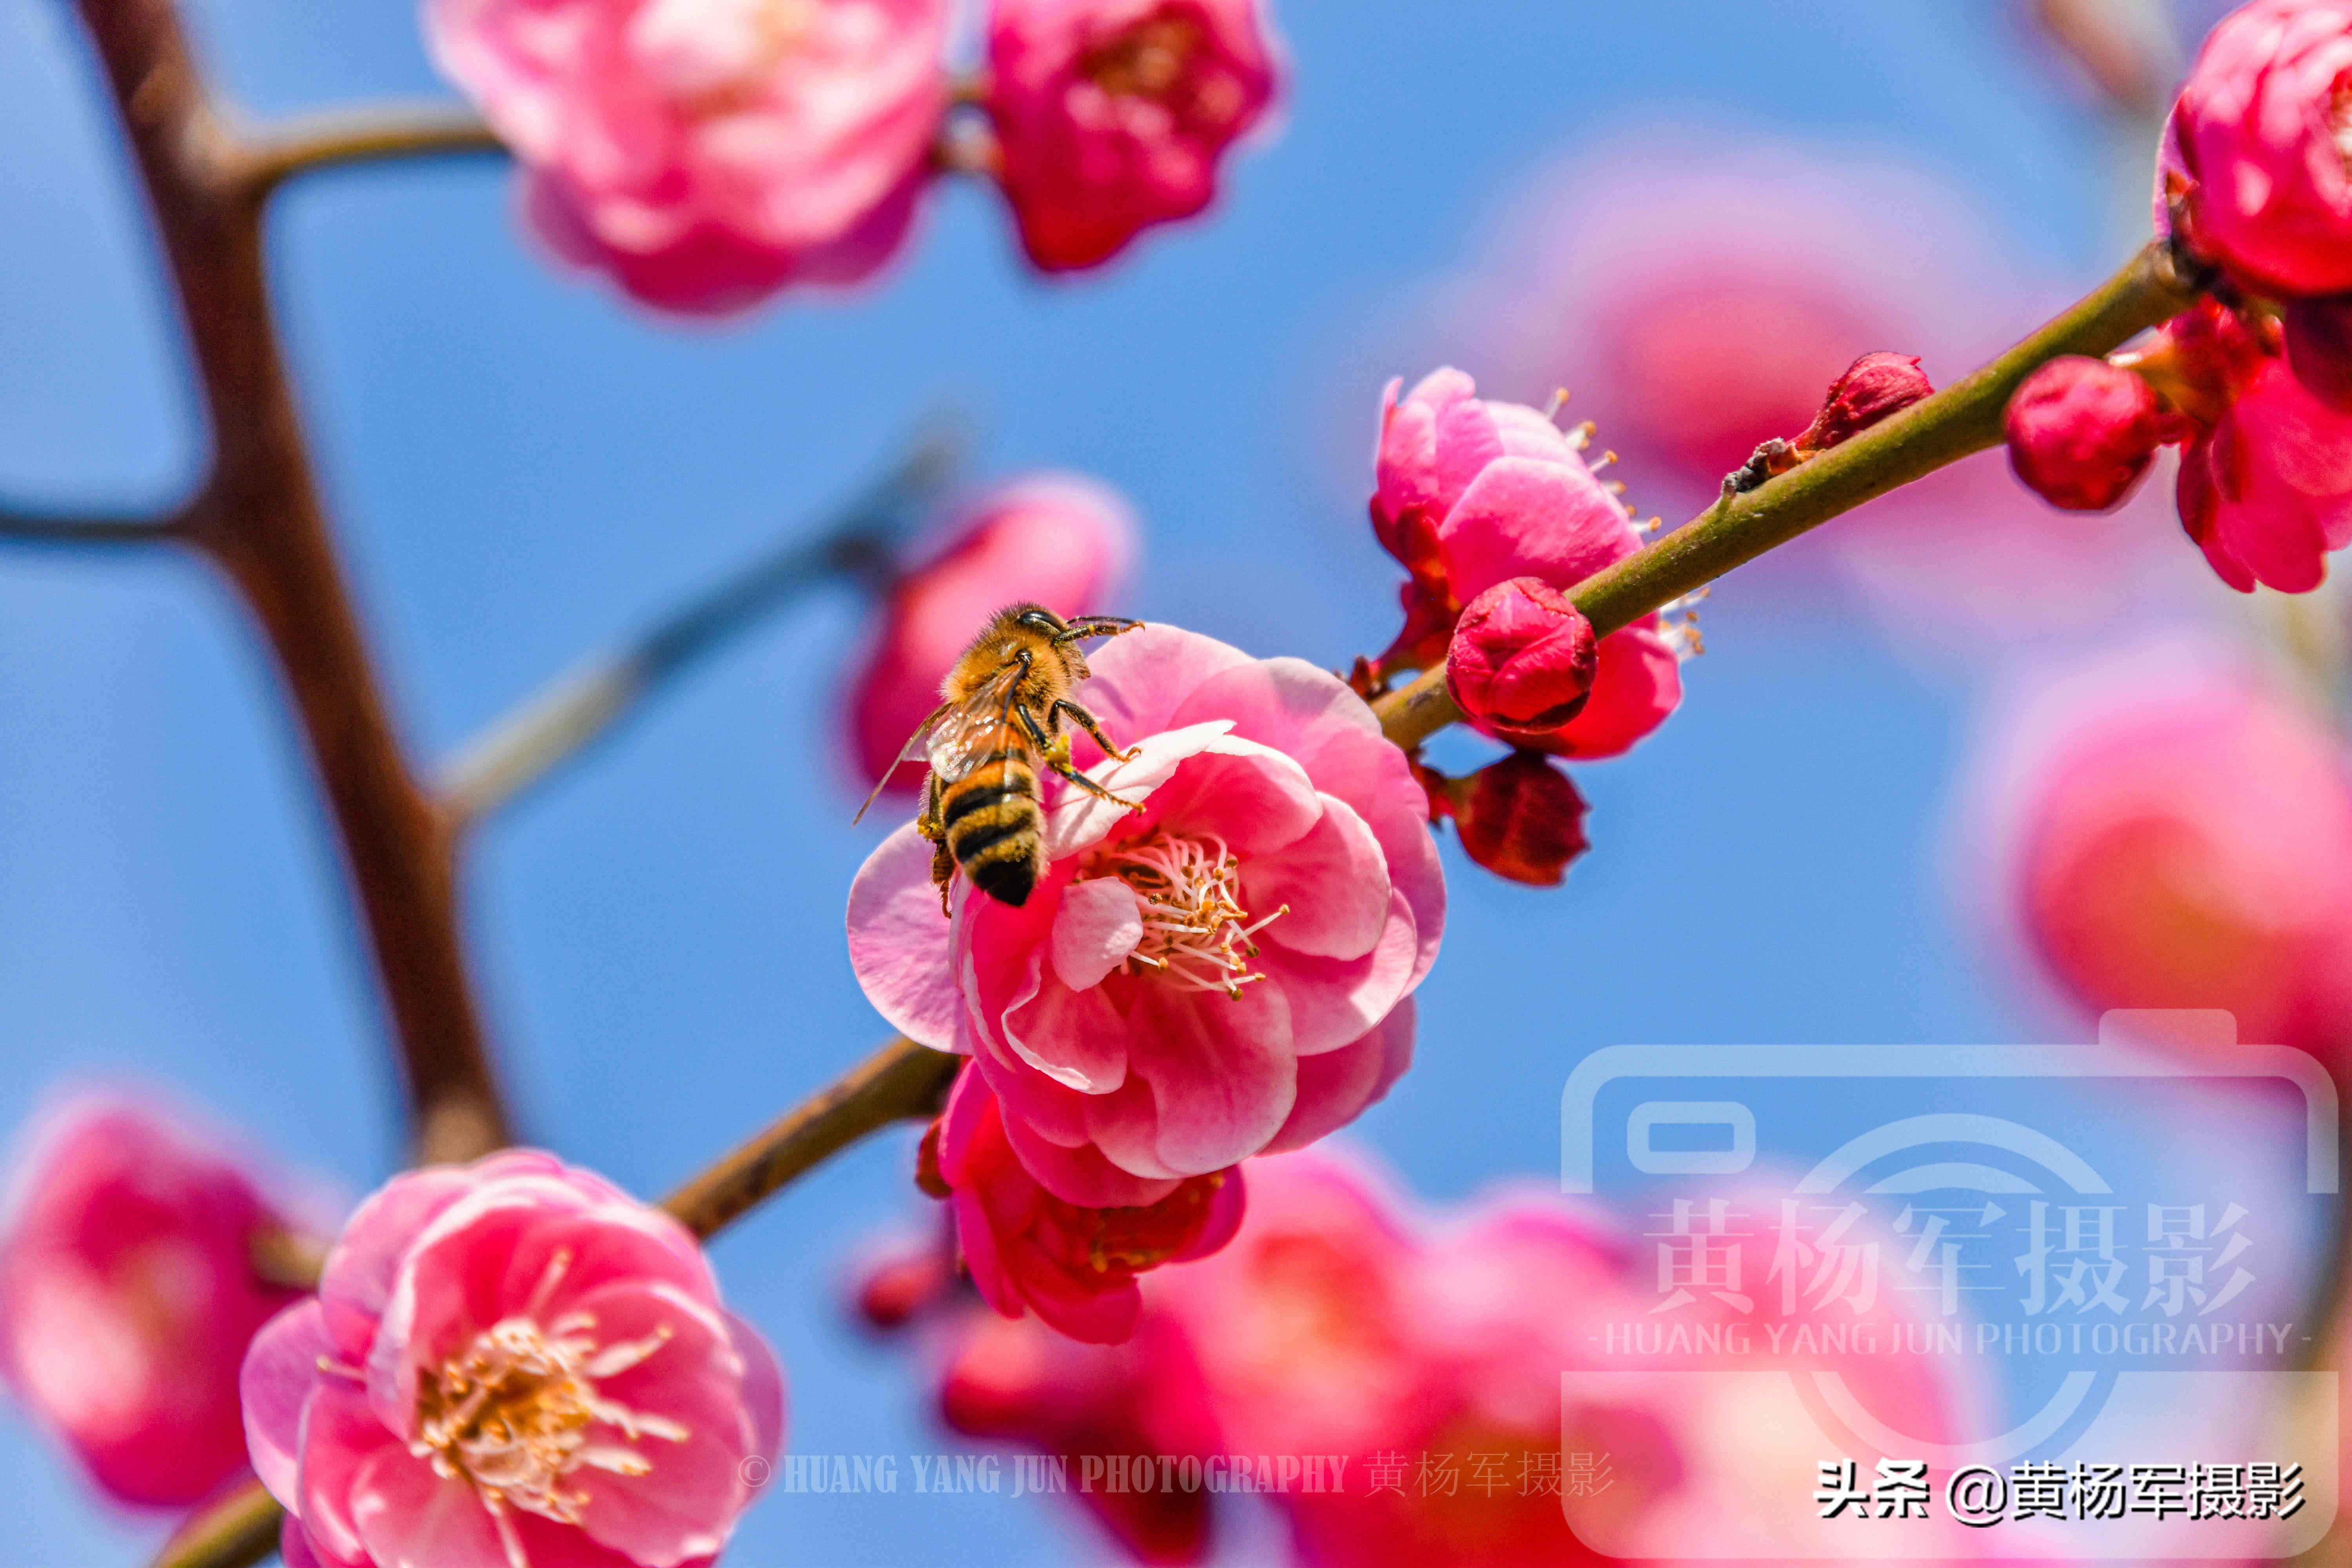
(1096,627)
(1055,750)
(943,866)
(1092,726)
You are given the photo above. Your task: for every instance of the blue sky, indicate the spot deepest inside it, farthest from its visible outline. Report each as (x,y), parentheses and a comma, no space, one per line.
(523,469)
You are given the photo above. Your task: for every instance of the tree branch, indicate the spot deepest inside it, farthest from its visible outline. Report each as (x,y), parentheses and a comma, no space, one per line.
(899,1081)
(372,134)
(554,727)
(236,1531)
(259,519)
(1964,417)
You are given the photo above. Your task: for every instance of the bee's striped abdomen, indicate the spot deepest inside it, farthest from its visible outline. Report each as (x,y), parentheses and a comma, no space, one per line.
(995,828)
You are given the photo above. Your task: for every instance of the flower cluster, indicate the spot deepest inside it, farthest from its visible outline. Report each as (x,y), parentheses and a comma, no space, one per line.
(1341,1323)
(1492,511)
(706,153)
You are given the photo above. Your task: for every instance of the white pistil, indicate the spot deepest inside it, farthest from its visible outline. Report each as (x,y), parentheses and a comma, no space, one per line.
(1193,929)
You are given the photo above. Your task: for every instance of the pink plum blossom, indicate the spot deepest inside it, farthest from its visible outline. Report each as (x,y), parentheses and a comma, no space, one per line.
(132,1277)
(705,153)
(2256,155)
(2267,495)
(2170,830)
(511,1365)
(1472,493)
(1222,973)
(1075,1267)
(1060,540)
(1111,115)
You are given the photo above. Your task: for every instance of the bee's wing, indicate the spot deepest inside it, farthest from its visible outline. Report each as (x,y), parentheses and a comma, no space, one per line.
(964,730)
(916,750)
(949,740)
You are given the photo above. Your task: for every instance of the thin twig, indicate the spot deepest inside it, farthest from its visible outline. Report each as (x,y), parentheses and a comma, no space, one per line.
(374,134)
(1964,417)
(901,1080)
(239,1530)
(555,726)
(22,526)
(259,519)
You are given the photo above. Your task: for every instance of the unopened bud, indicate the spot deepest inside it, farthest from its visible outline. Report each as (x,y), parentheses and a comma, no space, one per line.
(2319,348)
(1521,818)
(1873,387)
(2082,431)
(1522,658)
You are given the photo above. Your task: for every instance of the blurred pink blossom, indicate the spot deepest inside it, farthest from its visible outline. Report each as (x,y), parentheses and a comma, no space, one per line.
(131,1279)
(1297,902)
(1058,540)
(2167,828)
(511,1361)
(1028,1250)
(1111,115)
(1472,493)
(1696,288)
(705,153)
(2255,156)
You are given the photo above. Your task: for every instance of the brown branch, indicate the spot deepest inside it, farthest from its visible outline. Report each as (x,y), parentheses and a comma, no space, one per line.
(901,1080)
(239,1530)
(259,519)
(1964,417)
(328,141)
(20,525)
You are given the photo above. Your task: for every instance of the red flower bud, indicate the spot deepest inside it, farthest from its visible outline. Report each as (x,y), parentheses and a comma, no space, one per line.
(2319,348)
(1873,387)
(1521,818)
(2082,431)
(1522,658)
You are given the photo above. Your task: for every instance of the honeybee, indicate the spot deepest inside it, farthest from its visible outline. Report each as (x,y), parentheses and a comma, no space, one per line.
(1000,712)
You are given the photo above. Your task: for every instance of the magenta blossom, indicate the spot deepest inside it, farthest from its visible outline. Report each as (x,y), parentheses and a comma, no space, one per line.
(1111,115)
(2256,155)
(1074,1267)
(705,153)
(132,1274)
(511,1365)
(1473,493)
(1058,540)
(1223,972)
(2082,432)
(2268,493)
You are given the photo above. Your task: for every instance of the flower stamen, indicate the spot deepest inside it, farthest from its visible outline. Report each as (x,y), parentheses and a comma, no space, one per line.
(1193,922)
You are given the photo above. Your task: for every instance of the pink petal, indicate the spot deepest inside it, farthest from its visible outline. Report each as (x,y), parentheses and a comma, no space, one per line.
(1075,1171)
(763,1387)
(1141,680)
(1250,797)
(1079,820)
(1225,1213)
(341,1438)
(1525,516)
(1286,703)
(976,1242)
(899,941)
(1209,1078)
(1094,1317)
(1636,686)
(1334,881)
(1337,1086)
(1334,1001)
(686,1505)
(281,1368)
(1075,1037)
(1370,773)
(357,1278)
(407,1516)
(1094,928)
